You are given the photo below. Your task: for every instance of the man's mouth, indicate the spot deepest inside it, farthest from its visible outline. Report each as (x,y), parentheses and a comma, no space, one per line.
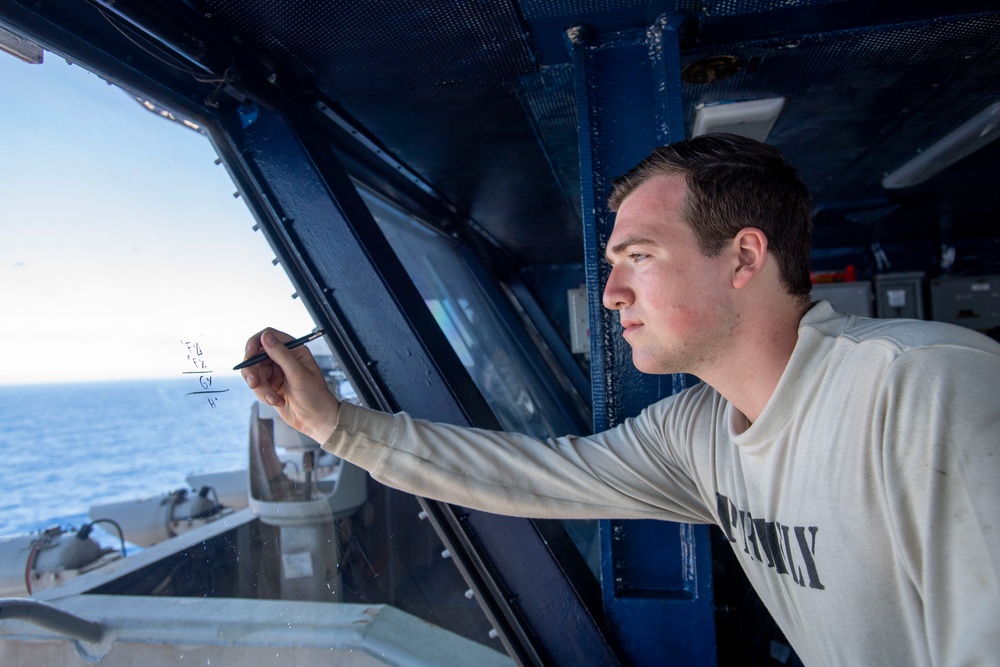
(629,326)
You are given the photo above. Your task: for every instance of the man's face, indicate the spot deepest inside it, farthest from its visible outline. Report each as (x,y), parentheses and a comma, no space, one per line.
(672,300)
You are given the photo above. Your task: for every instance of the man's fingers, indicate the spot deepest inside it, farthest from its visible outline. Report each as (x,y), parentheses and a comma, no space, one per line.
(274,344)
(292,382)
(256,373)
(253,346)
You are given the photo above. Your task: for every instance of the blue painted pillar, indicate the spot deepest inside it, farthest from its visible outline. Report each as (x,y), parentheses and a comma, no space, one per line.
(656,576)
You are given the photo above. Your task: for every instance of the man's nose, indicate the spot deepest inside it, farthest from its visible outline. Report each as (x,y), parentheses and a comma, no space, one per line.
(616,294)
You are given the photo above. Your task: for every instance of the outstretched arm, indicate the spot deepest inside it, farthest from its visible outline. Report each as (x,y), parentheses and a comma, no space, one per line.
(292,382)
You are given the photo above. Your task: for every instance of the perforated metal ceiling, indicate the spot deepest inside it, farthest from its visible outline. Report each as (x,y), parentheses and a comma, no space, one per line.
(477,97)
(352,49)
(852,93)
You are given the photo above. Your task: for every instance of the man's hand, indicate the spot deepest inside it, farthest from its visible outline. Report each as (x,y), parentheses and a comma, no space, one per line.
(291,381)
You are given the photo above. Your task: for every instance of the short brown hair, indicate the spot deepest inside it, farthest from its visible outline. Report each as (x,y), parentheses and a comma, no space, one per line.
(732,183)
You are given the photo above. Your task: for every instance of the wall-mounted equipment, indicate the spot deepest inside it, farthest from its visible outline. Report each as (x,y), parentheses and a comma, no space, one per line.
(900,295)
(971,301)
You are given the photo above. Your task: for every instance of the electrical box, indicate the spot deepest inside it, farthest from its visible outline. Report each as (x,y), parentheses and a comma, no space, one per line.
(853,298)
(900,295)
(972,302)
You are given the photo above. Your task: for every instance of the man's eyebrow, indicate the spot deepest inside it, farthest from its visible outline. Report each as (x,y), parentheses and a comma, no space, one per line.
(626,243)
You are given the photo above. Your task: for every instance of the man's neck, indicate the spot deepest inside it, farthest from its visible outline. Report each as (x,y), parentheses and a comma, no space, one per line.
(749,373)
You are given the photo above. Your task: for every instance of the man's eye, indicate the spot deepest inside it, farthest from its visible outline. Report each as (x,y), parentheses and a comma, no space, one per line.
(638,256)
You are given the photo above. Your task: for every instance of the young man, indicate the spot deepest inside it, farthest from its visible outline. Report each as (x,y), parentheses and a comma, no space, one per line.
(853,464)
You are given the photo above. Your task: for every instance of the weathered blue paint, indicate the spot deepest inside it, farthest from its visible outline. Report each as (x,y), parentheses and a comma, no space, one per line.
(656,576)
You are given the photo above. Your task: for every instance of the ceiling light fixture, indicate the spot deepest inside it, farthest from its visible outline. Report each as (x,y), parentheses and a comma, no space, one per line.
(753,118)
(967,138)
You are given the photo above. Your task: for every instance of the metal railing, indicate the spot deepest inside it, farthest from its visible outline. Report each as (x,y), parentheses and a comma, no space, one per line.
(51,618)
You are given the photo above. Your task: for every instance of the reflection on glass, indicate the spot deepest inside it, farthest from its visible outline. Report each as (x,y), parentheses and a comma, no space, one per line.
(487,349)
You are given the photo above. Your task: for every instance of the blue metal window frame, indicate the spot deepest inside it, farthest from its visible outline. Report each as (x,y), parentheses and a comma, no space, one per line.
(354,286)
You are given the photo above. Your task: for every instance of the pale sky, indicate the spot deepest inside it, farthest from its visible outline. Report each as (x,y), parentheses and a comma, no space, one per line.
(119,238)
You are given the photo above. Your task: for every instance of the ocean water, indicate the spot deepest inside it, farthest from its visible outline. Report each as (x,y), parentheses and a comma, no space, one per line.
(66,447)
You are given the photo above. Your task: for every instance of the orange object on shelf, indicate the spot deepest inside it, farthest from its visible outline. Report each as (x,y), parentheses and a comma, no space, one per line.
(845,275)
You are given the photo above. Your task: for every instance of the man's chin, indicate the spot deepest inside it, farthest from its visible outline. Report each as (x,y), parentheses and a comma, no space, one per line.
(653,366)
(645,364)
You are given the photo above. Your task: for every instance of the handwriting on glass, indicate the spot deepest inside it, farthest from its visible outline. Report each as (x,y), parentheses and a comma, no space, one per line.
(196,356)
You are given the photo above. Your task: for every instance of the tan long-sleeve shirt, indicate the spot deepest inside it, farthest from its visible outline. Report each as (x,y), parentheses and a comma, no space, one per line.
(862,503)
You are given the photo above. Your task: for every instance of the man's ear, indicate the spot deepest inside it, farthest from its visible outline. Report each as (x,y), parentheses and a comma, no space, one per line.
(750,244)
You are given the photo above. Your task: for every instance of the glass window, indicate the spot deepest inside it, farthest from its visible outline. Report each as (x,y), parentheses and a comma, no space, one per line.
(508,381)
(499,367)
(131,280)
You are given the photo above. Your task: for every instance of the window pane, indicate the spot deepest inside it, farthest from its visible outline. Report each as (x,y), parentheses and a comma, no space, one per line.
(501,371)
(131,280)
(486,348)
